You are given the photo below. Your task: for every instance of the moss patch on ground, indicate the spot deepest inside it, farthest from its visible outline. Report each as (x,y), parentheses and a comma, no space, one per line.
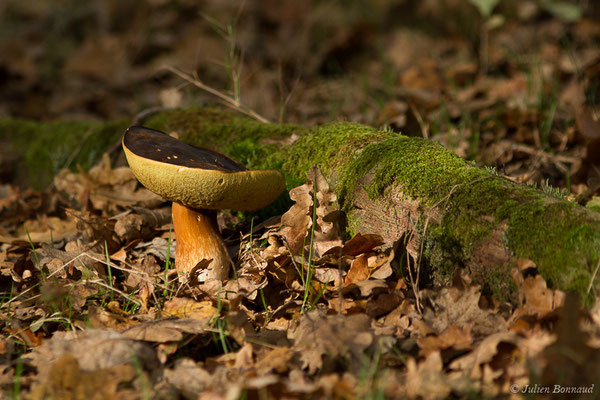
(45,148)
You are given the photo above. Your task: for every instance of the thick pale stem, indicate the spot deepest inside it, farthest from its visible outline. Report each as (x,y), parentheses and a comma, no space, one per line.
(198,238)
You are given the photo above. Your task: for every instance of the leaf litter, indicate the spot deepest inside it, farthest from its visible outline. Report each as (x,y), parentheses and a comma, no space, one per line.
(103,306)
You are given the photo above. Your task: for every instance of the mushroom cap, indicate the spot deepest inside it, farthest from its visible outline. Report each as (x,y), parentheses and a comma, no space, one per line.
(197,177)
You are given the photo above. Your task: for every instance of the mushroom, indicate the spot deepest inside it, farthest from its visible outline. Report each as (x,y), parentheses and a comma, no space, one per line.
(198,181)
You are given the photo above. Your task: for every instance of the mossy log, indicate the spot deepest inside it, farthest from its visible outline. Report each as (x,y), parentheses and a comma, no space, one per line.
(404,188)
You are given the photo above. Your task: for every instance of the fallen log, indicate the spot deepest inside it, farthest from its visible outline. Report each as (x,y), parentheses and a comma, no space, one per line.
(451,213)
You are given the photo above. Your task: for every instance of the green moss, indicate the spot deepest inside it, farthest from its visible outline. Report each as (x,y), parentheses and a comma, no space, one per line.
(500,285)
(330,147)
(594,207)
(45,148)
(565,230)
(425,169)
(216,128)
(473,202)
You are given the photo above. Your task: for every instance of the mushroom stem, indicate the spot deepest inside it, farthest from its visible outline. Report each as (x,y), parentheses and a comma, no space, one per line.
(198,238)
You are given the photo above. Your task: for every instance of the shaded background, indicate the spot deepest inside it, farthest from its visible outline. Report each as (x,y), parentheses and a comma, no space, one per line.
(514,87)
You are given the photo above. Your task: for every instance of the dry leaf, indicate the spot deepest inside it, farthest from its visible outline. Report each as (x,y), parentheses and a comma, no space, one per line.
(359,270)
(361,244)
(188,377)
(534,296)
(297,220)
(313,197)
(66,380)
(276,360)
(94,350)
(483,353)
(141,272)
(319,339)
(47,230)
(100,318)
(106,187)
(570,360)
(454,306)
(187,308)
(153,332)
(141,223)
(457,337)
(426,379)
(382,304)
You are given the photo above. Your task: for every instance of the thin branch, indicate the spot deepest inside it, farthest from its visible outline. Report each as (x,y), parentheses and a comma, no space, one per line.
(589,288)
(227,100)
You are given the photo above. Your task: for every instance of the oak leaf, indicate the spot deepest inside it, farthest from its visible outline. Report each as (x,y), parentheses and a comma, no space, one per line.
(313,213)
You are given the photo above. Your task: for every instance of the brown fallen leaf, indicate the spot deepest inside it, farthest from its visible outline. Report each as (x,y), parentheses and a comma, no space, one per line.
(535,298)
(94,349)
(44,230)
(26,335)
(328,275)
(66,380)
(101,318)
(347,306)
(274,249)
(95,228)
(298,219)
(426,379)
(141,272)
(368,287)
(316,198)
(457,337)
(182,307)
(165,330)
(67,263)
(359,270)
(188,377)
(380,265)
(379,305)
(457,306)
(360,244)
(79,293)
(141,223)
(105,187)
(399,316)
(244,358)
(472,363)
(319,339)
(153,332)
(275,360)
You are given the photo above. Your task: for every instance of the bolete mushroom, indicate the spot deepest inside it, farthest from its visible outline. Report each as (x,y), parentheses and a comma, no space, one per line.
(198,181)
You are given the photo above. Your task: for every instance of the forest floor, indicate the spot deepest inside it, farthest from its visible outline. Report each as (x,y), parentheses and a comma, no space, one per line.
(90,303)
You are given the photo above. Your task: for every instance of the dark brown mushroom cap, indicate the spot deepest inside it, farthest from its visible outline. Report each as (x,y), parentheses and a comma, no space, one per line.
(197,177)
